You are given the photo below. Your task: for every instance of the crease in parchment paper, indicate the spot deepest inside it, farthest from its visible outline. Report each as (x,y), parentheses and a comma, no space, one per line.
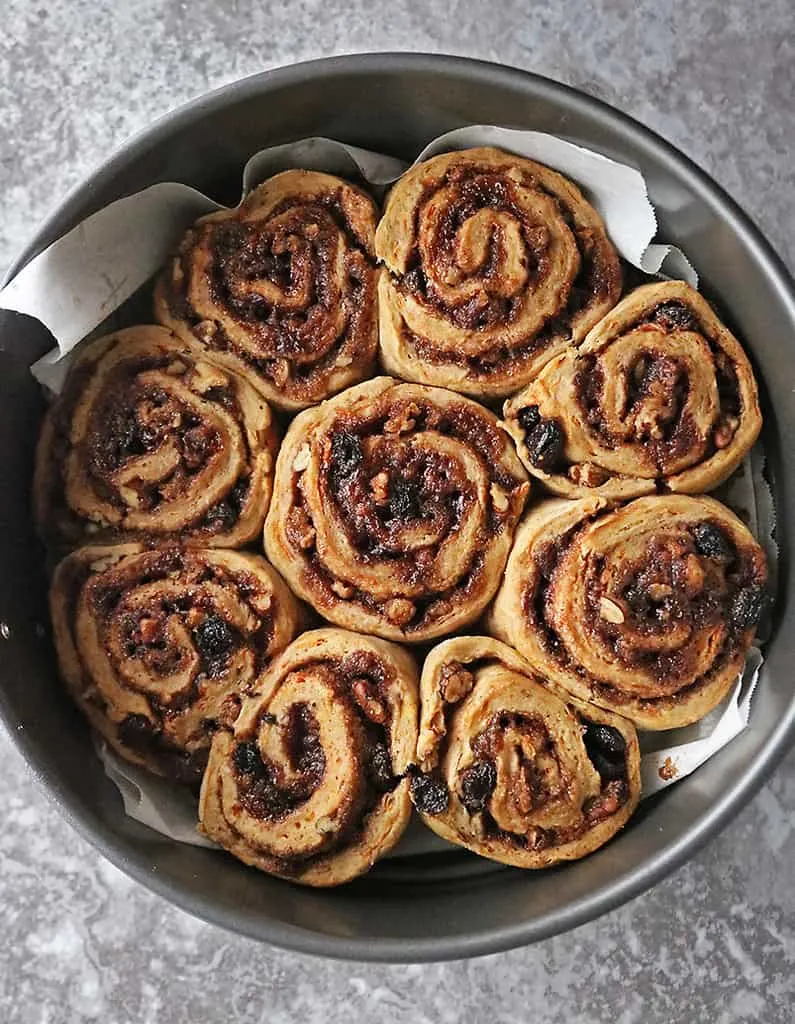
(78,281)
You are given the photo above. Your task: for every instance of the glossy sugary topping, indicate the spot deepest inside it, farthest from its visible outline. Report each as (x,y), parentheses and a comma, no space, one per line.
(312,782)
(659,394)
(648,609)
(150,440)
(282,287)
(512,767)
(159,647)
(395,508)
(495,263)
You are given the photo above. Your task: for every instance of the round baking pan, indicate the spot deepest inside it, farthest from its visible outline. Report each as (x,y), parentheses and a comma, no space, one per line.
(448,905)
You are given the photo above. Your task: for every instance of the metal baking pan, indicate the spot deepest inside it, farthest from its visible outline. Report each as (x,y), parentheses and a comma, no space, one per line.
(449,905)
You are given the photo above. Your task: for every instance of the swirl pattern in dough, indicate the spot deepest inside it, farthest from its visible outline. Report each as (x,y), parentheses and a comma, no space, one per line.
(282,288)
(312,783)
(149,441)
(648,609)
(495,264)
(514,768)
(394,509)
(660,394)
(159,647)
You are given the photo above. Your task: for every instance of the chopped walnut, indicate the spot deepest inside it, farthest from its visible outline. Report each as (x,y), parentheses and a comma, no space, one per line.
(379,486)
(279,370)
(194,617)
(148,630)
(399,611)
(311,230)
(499,498)
(262,602)
(302,459)
(610,611)
(588,474)
(403,419)
(726,431)
(365,697)
(206,330)
(300,529)
(342,589)
(229,710)
(130,497)
(694,575)
(456,682)
(659,591)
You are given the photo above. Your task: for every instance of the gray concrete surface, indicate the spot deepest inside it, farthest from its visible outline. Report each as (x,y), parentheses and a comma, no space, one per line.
(78,941)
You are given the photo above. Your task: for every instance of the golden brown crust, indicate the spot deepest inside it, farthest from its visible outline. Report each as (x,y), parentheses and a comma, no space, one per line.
(312,783)
(281,288)
(512,766)
(496,263)
(660,390)
(158,647)
(648,609)
(149,441)
(394,509)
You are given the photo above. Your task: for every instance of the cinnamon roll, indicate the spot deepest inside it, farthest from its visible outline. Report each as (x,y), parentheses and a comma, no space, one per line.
(149,441)
(659,395)
(312,783)
(648,609)
(496,263)
(514,768)
(158,647)
(282,288)
(394,509)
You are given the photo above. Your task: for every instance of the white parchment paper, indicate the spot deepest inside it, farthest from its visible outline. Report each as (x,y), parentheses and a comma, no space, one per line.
(85,276)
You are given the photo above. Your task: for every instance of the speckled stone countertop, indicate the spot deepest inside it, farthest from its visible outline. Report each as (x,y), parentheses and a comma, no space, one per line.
(80,942)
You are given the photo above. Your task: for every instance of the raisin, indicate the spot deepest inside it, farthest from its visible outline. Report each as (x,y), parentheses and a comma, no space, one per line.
(528,418)
(477,785)
(213,638)
(221,516)
(138,732)
(608,770)
(414,281)
(247,759)
(675,316)
(545,445)
(607,740)
(748,606)
(346,453)
(606,748)
(711,541)
(404,501)
(430,796)
(379,768)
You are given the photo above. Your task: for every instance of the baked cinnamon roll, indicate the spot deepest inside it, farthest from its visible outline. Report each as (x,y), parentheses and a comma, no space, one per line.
(648,609)
(149,441)
(312,783)
(394,509)
(496,263)
(514,768)
(282,288)
(159,647)
(660,394)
